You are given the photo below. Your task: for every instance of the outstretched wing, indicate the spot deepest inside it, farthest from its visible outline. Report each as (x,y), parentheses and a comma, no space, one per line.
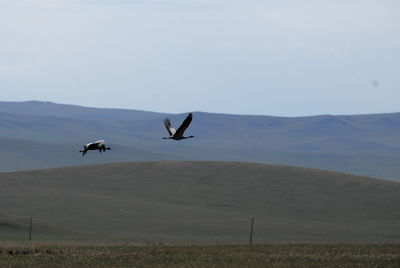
(184,125)
(168,126)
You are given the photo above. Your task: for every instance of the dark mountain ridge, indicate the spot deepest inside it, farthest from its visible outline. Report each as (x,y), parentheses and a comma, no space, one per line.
(359,144)
(73,111)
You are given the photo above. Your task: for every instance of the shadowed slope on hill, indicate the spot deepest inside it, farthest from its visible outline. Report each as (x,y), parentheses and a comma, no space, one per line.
(204,202)
(16,154)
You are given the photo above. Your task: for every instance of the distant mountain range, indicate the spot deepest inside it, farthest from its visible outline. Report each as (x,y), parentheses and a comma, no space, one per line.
(37,135)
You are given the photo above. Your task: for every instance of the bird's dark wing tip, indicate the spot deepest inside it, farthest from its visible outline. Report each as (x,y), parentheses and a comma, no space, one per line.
(167,122)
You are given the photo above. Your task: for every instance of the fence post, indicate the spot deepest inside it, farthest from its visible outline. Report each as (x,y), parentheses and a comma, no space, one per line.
(30,228)
(251,231)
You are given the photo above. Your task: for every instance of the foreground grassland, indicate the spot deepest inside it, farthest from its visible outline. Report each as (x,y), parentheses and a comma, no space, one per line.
(285,255)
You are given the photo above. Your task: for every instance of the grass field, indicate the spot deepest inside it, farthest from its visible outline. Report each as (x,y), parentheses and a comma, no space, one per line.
(197,203)
(270,255)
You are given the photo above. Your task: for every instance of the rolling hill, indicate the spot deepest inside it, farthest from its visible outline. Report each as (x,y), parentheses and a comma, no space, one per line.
(43,135)
(198,202)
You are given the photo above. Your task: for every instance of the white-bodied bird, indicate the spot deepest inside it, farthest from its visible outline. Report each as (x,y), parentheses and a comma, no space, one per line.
(97,145)
(178,134)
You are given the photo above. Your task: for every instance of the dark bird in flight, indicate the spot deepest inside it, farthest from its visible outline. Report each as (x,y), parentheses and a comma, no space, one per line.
(97,145)
(178,134)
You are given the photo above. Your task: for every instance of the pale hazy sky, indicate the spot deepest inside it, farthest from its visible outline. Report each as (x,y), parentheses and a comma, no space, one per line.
(287,57)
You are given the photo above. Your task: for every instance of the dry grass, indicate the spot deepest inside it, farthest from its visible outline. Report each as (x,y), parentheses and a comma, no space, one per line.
(281,255)
(198,202)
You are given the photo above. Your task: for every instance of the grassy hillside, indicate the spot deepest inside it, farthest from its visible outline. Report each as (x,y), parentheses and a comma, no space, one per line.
(198,202)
